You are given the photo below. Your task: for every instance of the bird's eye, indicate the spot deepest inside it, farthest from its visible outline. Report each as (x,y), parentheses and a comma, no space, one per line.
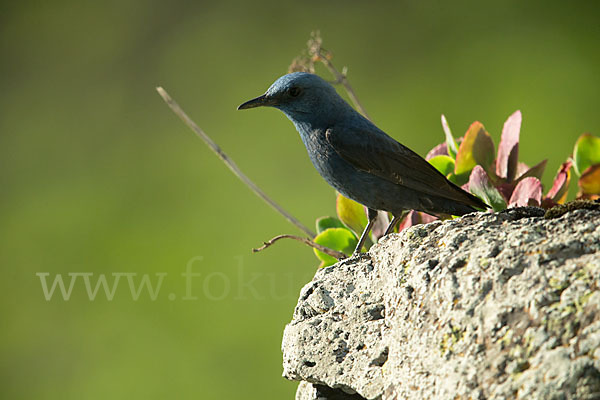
(295,91)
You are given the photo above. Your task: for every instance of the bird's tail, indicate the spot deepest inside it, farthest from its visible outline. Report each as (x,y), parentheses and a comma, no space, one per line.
(459,203)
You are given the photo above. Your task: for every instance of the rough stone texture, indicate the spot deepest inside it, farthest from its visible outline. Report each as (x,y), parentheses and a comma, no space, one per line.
(488,306)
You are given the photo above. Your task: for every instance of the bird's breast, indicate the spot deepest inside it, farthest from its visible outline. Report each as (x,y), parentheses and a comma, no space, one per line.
(335,170)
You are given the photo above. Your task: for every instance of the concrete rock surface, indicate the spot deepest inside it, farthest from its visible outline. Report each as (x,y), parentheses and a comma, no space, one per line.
(487,306)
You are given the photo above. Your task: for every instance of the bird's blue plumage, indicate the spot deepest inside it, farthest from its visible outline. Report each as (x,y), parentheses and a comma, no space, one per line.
(355,157)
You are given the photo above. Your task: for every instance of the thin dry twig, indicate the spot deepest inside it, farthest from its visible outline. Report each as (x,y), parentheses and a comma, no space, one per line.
(316,52)
(342,78)
(330,252)
(229,162)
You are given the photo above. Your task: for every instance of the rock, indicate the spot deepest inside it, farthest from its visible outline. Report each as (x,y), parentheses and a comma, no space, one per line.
(487,306)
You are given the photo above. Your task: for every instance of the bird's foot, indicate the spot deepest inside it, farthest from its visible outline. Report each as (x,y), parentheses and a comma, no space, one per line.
(357,255)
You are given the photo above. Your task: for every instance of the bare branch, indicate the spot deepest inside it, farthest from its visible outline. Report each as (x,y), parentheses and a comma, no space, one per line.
(330,252)
(318,53)
(229,162)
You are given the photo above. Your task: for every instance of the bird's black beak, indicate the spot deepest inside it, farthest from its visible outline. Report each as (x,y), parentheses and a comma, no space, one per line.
(260,101)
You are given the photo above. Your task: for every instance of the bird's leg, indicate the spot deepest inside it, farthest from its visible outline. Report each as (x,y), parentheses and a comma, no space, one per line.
(393,224)
(372,215)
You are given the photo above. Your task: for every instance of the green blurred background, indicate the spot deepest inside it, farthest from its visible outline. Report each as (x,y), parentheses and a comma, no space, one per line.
(99,176)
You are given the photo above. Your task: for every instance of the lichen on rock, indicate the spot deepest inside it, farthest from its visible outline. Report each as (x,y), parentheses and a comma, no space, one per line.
(486,306)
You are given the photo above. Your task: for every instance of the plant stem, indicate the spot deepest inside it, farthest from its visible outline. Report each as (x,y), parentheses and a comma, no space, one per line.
(330,252)
(229,162)
(318,53)
(341,78)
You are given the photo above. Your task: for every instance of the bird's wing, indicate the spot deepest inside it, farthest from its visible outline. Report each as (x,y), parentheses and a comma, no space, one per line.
(380,155)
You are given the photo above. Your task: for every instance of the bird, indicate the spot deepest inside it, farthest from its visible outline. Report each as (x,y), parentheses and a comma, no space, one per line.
(358,159)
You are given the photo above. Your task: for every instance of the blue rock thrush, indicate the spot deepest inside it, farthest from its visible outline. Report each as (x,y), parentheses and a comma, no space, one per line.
(358,159)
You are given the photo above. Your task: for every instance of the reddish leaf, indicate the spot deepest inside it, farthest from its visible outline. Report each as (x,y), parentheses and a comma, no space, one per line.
(481,186)
(527,193)
(380,225)
(426,218)
(415,218)
(508,150)
(439,150)
(558,191)
(589,182)
(411,219)
(536,171)
(477,148)
(521,168)
(506,189)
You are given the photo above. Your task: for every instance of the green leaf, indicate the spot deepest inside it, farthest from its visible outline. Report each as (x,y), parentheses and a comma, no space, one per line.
(351,214)
(444,164)
(477,148)
(340,239)
(589,183)
(586,152)
(328,222)
(450,142)
(456,180)
(481,186)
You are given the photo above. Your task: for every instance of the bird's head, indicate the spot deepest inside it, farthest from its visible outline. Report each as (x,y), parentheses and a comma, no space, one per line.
(300,96)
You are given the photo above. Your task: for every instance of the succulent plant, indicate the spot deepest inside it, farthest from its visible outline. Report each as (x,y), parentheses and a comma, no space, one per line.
(586,162)
(471,162)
